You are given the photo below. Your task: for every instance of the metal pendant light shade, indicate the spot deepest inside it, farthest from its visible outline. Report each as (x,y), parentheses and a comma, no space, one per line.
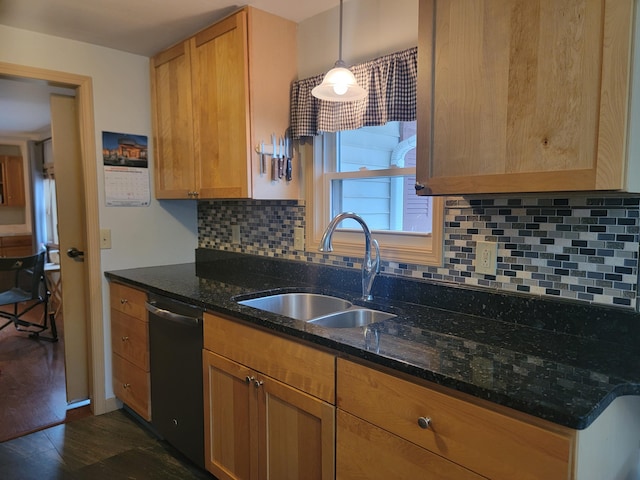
(339,84)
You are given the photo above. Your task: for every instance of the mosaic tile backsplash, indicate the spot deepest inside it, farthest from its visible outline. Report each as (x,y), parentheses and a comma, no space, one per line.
(577,247)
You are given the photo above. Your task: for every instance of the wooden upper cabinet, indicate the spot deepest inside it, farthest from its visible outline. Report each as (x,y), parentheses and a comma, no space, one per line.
(216,96)
(11,181)
(523,96)
(173,123)
(220,84)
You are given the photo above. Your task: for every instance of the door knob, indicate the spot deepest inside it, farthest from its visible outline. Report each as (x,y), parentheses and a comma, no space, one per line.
(77,255)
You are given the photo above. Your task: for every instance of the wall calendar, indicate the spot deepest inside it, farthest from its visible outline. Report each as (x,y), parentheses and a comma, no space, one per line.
(126,170)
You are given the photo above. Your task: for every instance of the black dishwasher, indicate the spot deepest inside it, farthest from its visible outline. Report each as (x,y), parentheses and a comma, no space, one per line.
(175,355)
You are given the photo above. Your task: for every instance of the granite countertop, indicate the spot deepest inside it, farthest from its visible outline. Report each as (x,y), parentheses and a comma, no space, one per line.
(562,362)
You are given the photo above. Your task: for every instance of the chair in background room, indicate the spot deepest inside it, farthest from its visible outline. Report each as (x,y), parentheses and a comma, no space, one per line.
(23,287)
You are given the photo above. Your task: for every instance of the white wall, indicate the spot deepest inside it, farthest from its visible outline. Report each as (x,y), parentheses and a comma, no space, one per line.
(163,233)
(371,28)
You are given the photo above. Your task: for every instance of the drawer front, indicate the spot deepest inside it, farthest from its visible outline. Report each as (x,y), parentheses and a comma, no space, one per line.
(130,339)
(131,385)
(487,442)
(366,451)
(17,241)
(129,301)
(302,367)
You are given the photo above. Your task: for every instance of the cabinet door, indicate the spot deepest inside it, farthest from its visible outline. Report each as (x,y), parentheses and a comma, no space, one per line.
(524,96)
(297,434)
(173,123)
(11,181)
(230,410)
(365,451)
(221,116)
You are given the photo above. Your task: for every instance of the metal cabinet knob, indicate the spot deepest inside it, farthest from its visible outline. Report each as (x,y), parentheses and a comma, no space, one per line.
(248,379)
(126,385)
(424,422)
(258,383)
(124,339)
(175,422)
(123,301)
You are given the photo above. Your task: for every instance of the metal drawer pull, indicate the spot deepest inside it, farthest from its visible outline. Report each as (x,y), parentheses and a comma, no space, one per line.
(123,301)
(126,385)
(124,339)
(424,422)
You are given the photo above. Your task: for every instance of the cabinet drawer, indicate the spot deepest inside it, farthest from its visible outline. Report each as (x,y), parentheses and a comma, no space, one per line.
(485,441)
(366,451)
(131,385)
(16,241)
(130,339)
(302,367)
(129,300)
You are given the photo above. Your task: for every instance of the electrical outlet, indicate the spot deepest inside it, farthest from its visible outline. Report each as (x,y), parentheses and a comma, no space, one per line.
(486,257)
(298,239)
(235,234)
(105,238)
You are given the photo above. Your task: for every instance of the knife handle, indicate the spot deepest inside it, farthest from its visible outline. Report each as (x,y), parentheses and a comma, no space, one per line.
(288,171)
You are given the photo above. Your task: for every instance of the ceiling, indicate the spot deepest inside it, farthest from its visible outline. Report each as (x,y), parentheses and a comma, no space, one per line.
(141,27)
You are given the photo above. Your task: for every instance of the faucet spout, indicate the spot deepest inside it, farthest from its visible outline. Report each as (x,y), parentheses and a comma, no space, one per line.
(370,267)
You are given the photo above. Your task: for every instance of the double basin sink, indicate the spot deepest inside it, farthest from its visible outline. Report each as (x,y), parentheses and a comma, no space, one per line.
(323,310)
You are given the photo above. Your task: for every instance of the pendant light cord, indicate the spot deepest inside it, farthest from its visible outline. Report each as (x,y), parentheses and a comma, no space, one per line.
(340,38)
(340,62)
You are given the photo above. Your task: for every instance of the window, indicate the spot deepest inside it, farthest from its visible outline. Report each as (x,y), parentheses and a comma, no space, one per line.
(50,219)
(371,171)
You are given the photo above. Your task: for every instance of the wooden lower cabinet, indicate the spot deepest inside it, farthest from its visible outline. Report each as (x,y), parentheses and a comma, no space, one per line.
(365,451)
(131,385)
(16,246)
(130,347)
(259,428)
(493,444)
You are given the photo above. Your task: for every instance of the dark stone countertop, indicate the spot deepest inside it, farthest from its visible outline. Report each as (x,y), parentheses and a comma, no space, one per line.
(561,361)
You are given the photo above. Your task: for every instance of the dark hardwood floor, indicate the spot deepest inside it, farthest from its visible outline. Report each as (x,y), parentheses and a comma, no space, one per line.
(106,447)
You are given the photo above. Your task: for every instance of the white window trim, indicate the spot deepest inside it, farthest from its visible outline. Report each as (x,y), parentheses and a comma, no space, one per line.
(398,247)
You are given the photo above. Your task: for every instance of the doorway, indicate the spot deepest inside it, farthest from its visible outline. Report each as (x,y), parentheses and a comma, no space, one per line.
(94,339)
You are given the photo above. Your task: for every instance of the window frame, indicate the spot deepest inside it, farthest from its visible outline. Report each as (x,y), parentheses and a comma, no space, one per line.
(413,248)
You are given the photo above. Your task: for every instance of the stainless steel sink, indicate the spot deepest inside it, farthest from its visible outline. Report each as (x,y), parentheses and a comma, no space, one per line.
(301,306)
(321,310)
(351,318)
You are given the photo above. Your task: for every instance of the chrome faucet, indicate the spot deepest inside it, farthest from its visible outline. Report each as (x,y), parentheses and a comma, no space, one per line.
(369,267)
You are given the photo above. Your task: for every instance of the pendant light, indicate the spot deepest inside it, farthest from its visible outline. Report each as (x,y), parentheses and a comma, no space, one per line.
(339,84)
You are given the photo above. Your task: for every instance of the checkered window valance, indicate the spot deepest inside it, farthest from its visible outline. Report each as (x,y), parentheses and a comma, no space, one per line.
(391,85)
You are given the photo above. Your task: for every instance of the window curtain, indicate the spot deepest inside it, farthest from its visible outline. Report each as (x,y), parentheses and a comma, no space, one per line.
(391,85)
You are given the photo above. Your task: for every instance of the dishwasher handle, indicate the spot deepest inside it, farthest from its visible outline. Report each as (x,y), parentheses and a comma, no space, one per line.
(171,316)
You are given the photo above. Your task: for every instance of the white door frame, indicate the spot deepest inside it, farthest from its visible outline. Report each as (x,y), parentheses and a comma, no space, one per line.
(84,94)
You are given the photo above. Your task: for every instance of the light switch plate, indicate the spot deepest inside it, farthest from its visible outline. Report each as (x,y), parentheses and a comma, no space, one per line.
(105,238)
(486,258)
(235,234)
